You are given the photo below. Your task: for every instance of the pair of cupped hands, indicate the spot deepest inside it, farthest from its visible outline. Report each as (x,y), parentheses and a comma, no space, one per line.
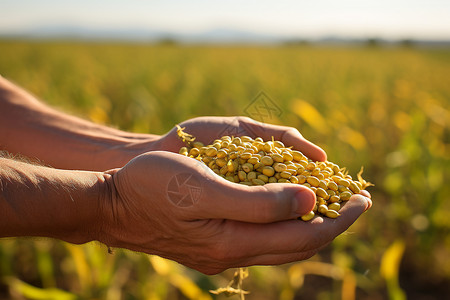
(219,224)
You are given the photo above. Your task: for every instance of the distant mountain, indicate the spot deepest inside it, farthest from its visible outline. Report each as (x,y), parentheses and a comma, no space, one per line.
(219,35)
(216,36)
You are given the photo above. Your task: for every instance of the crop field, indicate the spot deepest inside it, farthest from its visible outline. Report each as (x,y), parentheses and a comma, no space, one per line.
(384,108)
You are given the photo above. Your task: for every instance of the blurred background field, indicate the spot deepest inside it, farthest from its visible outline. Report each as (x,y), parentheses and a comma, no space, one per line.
(382,107)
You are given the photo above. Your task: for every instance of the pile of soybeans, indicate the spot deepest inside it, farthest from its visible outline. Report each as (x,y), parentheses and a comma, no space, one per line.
(248,161)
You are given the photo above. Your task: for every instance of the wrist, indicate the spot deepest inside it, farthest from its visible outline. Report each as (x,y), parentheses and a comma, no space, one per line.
(46,202)
(106,222)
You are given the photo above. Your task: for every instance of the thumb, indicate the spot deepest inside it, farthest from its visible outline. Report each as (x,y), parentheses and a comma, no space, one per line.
(256,204)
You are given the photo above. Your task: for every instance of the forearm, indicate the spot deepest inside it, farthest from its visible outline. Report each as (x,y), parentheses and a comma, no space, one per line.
(40,201)
(33,129)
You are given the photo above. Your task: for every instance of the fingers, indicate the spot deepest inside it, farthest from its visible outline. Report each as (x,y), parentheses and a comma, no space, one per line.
(288,135)
(294,236)
(255,204)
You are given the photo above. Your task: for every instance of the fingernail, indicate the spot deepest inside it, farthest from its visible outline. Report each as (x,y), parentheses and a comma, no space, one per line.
(369,203)
(304,201)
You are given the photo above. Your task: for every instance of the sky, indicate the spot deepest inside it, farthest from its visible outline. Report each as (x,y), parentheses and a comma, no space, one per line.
(425,19)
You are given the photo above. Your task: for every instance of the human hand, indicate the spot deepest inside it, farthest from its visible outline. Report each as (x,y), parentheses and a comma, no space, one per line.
(207,129)
(218,224)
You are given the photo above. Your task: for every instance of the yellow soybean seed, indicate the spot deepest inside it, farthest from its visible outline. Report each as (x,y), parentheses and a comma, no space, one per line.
(278,144)
(279,167)
(207,159)
(258,156)
(277,158)
(313,181)
(334,206)
(253,160)
(268,171)
(315,172)
(283,180)
(323,209)
(303,163)
(344,196)
(237,141)
(240,149)
(183,151)
(321,176)
(268,146)
(310,166)
(343,182)
(251,175)
(232,165)
(287,156)
(334,198)
(297,155)
(224,170)
(258,145)
(309,216)
(301,178)
(220,162)
(212,164)
(285,174)
(321,201)
(354,187)
(321,193)
(211,151)
(232,147)
(247,167)
(267,160)
(198,144)
(259,139)
(246,139)
(242,175)
(230,178)
(332,214)
(335,178)
(258,166)
(293,179)
(330,192)
(256,181)
(322,184)
(342,189)
(263,178)
(332,185)
(246,145)
(246,155)
(233,155)
(273,180)
(246,183)
(194,152)
(292,167)
(306,184)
